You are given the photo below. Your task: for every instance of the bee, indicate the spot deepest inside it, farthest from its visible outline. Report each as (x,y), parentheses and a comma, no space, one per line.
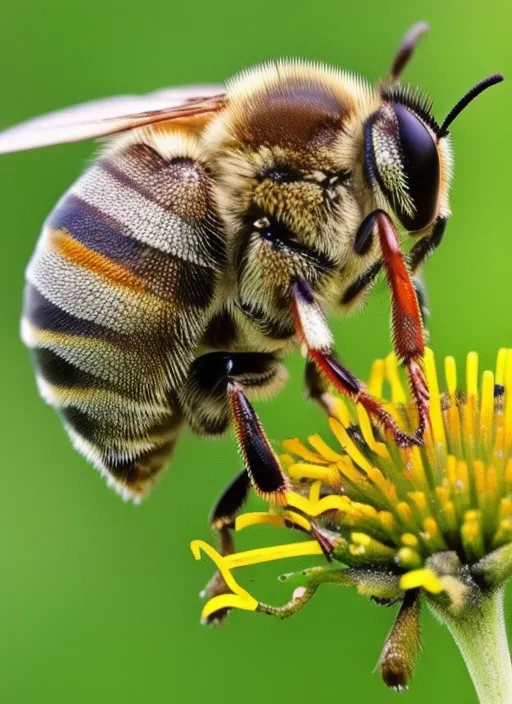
(206,241)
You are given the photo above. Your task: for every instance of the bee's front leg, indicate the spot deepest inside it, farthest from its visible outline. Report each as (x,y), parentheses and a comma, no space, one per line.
(418,255)
(313,332)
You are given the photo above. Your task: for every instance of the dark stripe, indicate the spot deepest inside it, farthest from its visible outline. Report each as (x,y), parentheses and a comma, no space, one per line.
(46,316)
(427,245)
(167,183)
(112,433)
(84,425)
(96,230)
(59,372)
(194,286)
(146,465)
(167,276)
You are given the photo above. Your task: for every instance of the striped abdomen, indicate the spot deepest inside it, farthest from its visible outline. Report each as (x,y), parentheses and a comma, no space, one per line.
(118,293)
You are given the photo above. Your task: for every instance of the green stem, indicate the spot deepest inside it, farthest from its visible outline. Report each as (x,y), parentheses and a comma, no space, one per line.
(481,636)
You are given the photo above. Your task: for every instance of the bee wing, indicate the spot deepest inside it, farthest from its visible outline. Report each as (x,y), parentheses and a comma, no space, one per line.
(99,118)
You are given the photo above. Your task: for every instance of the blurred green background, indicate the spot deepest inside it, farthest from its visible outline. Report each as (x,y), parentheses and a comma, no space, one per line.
(98,599)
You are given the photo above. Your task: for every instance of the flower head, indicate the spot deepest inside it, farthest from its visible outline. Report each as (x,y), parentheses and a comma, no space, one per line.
(432,521)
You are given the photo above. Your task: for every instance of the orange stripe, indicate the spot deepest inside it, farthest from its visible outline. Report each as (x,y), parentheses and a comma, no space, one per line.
(77,253)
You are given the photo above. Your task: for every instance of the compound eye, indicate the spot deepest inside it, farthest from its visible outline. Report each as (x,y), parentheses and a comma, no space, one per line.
(421,167)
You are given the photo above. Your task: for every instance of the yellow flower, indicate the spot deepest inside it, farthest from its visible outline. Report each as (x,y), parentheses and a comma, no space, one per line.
(399,523)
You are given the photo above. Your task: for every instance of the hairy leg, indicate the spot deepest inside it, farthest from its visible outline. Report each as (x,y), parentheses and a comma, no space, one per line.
(408,339)
(215,396)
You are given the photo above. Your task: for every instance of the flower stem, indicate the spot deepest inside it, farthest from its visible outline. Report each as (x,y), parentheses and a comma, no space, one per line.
(481,636)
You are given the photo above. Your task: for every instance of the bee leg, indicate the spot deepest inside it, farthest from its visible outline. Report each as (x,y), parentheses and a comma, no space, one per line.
(408,337)
(317,388)
(420,290)
(418,255)
(405,50)
(425,247)
(229,503)
(215,395)
(260,460)
(222,519)
(314,333)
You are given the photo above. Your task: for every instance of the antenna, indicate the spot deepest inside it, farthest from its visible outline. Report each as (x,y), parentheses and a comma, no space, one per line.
(466,99)
(405,50)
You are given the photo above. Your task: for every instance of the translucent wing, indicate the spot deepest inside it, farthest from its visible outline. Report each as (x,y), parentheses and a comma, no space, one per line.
(99,118)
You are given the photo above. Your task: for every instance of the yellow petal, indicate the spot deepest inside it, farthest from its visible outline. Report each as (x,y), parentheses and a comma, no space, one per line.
(500,365)
(421,578)
(398,394)
(376,380)
(275,552)
(436,417)
(348,445)
(314,491)
(261,518)
(258,518)
(472,374)
(367,431)
(244,601)
(227,601)
(450,373)
(326,474)
(295,447)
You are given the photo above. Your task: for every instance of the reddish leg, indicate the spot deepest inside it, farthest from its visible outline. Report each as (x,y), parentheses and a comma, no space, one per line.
(313,332)
(406,320)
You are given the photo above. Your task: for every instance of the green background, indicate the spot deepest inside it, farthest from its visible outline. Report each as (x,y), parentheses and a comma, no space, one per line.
(98,599)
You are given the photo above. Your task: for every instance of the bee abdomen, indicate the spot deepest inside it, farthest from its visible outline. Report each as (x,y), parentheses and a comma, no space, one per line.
(130,462)
(126,434)
(119,292)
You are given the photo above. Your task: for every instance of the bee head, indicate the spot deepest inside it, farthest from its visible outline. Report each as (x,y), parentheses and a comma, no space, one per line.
(407,154)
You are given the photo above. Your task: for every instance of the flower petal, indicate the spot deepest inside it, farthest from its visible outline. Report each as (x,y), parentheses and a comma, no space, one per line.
(240,598)
(421,578)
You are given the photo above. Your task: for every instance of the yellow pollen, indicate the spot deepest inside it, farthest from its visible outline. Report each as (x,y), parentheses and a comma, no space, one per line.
(408,558)
(404,511)
(409,540)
